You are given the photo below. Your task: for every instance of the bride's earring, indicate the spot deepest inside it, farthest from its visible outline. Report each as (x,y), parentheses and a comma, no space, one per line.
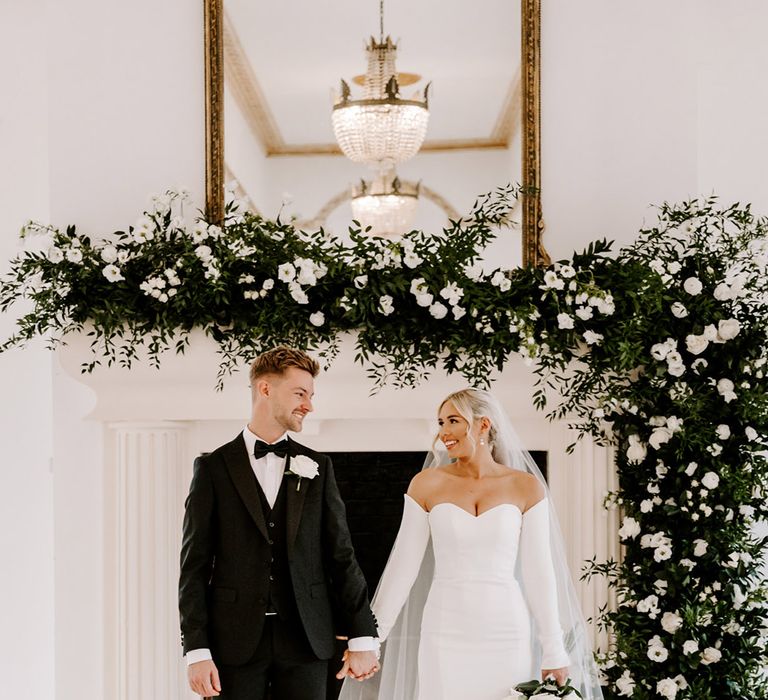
(482,441)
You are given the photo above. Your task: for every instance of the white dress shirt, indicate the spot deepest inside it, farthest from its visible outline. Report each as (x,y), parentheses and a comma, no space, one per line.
(269,471)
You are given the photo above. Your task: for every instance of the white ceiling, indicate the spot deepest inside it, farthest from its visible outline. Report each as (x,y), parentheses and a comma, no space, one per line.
(299,49)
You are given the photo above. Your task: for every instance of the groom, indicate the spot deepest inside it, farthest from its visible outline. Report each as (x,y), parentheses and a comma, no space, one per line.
(268,573)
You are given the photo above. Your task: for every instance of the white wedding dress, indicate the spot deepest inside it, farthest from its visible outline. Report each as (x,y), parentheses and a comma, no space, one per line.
(476,630)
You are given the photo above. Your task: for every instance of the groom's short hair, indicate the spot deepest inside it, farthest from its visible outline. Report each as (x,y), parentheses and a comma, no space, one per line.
(281,358)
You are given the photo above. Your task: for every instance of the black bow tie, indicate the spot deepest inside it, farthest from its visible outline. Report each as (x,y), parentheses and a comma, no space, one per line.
(261,449)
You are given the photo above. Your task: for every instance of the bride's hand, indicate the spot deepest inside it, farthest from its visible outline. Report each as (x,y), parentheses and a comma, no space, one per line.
(559,674)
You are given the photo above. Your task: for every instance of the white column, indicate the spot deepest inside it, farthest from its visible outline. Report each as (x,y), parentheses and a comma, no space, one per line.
(148,484)
(579,483)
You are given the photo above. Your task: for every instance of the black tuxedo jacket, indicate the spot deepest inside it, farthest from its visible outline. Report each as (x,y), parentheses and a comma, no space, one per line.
(224,582)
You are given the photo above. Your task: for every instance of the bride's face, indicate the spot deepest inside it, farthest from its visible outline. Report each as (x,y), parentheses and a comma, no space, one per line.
(454,432)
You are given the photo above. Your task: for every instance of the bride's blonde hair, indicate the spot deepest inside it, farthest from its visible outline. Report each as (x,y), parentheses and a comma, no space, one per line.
(473,404)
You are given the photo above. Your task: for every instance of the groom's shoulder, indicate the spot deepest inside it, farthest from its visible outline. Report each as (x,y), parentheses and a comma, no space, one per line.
(309,452)
(219,454)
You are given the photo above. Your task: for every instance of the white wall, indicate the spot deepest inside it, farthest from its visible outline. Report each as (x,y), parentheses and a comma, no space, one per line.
(26,483)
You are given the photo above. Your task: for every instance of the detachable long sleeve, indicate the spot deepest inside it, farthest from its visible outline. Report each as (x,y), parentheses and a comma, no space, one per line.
(540,585)
(403,566)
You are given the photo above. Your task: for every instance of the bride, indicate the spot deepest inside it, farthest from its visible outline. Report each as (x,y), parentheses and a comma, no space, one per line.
(476,596)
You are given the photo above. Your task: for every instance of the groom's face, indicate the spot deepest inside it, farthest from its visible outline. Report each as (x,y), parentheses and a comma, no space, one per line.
(291,398)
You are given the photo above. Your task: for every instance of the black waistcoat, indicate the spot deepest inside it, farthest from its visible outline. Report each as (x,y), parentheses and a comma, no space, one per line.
(281,598)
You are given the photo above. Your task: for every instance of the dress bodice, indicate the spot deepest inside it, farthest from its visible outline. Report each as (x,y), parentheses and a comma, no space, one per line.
(480,547)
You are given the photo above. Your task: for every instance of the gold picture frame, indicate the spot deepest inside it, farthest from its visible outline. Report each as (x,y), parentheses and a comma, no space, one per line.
(533,252)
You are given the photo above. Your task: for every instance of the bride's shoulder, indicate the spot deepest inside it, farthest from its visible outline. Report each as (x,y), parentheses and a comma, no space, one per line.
(424,482)
(527,486)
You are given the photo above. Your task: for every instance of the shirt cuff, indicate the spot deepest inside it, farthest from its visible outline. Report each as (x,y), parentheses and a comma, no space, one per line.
(195,655)
(363,644)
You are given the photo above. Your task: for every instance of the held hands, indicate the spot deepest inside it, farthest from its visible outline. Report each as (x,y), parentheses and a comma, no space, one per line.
(359,665)
(204,678)
(559,674)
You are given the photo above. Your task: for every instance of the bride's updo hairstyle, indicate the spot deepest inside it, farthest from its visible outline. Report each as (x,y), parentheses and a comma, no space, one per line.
(474,404)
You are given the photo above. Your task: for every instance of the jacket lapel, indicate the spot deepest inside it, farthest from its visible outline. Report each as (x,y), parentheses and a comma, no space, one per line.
(239,468)
(294,498)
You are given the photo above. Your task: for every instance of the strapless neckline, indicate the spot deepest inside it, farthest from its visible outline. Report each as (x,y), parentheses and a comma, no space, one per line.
(479,515)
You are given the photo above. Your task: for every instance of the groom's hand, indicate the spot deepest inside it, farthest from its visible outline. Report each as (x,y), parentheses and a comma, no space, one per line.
(204,678)
(559,674)
(360,665)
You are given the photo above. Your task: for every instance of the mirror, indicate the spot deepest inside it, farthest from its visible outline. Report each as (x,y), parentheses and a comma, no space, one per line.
(271,73)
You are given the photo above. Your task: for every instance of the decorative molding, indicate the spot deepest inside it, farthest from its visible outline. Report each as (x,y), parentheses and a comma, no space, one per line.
(533,225)
(214,111)
(508,122)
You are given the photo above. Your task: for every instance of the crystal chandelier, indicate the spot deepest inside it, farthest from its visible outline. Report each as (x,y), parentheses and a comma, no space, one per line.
(380,129)
(386,204)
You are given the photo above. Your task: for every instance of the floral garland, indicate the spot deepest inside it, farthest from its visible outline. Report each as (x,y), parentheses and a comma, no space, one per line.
(661,350)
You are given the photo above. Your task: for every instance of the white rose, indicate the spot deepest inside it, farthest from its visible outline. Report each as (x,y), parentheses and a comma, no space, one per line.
(304,467)
(74,255)
(659,436)
(112,273)
(723,432)
(592,338)
(700,547)
(723,292)
(438,310)
(564,321)
(55,255)
(728,329)
(671,622)
(690,647)
(678,310)
(710,480)
(636,452)
(696,344)
(662,553)
(725,388)
(424,299)
(667,688)
(711,656)
(306,276)
(361,281)
(285,272)
(657,653)
(386,304)
(625,684)
(298,293)
(693,286)
(629,528)
(109,254)
(317,318)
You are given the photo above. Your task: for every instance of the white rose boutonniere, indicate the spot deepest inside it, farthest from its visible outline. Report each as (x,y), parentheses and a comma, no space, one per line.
(303,467)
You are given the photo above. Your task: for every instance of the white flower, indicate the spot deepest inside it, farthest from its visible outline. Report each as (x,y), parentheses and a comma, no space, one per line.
(723,292)
(723,432)
(667,688)
(660,586)
(412,260)
(659,436)
(567,271)
(268,284)
(501,281)
(203,252)
(514,695)
(360,281)
(636,452)
(710,480)
(629,528)
(728,329)
(656,650)
(649,605)
(452,293)
(112,273)
(74,255)
(646,506)
(592,338)
(605,305)
(700,547)
(751,433)
(458,312)
(725,388)
(662,553)
(710,656)
(693,286)
(584,312)
(286,272)
(317,318)
(303,467)
(298,294)
(552,281)
(564,321)
(696,344)
(386,304)
(710,333)
(424,300)
(474,271)
(625,684)
(678,310)
(691,646)
(671,622)
(659,351)
(109,254)
(438,310)
(739,597)
(691,468)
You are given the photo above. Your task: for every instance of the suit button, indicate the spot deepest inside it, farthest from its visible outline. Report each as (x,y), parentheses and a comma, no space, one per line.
(271,578)
(271,524)
(270,542)
(272,559)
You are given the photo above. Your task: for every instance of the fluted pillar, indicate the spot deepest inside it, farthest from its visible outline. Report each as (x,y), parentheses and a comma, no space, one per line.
(148,483)
(579,482)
